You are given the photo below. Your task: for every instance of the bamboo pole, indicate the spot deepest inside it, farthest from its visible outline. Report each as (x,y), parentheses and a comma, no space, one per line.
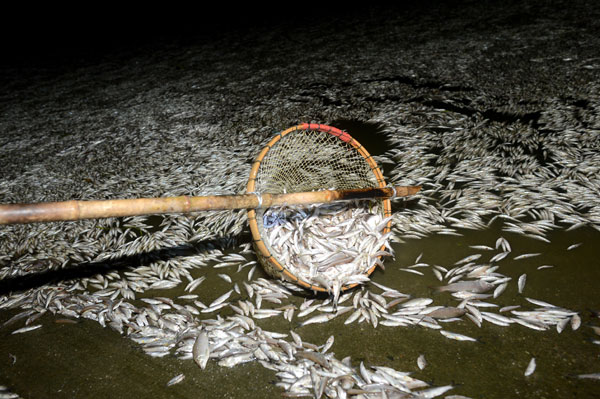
(77,210)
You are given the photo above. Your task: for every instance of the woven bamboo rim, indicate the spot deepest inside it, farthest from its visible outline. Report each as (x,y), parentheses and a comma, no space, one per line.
(250,188)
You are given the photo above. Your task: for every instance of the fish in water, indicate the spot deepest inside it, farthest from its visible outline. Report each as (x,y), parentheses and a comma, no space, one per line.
(446,313)
(570,247)
(525,256)
(176,380)
(521,282)
(530,367)
(478,286)
(456,336)
(421,362)
(27,329)
(201,350)
(593,376)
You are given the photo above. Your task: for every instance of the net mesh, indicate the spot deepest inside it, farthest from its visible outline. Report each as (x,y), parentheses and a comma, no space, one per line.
(308,160)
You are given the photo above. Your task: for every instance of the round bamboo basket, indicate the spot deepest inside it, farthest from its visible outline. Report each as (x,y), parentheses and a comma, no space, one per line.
(264,252)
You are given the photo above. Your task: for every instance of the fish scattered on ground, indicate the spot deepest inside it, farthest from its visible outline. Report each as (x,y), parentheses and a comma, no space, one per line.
(176,380)
(27,329)
(573,246)
(530,367)
(421,362)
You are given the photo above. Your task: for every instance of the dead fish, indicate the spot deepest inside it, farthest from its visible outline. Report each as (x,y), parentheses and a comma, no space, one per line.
(322,318)
(560,326)
(594,376)
(478,286)
(530,367)
(194,284)
(544,267)
(176,380)
(433,392)
(500,289)
(596,329)
(510,307)
(417,302)
(499,257)
(421,362)
(525,256)
(220,299)
(468,259)
(575,322)
(65,321)
(521,282)
(26,329)
(481,247)
(419,257)
(234,360)
(446,313)
(19,316)
(456,336)
(570,247)
(411,271)
(201,350)
(540,303)
(315,357)
(328,344)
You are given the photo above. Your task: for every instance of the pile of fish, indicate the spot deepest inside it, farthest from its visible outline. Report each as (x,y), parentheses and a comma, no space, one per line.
(330,245)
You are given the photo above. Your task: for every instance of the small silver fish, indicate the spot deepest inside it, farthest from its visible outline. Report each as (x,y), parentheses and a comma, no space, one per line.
(322,318)
(499,257)
(234,360)
(573,246)
(500,289)
(176,380)
(560,326)
(544,267)
(446,313)
(575,322)
(530,367)
(220,299)
(478,286)
(468,259)
(26,329)
(201,350)
(433,392)
(521,282)
(456,336)
(421,362)
(481,247)
(593,376)
(525,256)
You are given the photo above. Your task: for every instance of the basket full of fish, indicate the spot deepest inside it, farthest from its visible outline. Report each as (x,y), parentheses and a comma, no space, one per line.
(320,246)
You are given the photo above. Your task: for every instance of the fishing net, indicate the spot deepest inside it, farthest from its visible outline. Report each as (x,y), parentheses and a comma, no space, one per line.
(323,247)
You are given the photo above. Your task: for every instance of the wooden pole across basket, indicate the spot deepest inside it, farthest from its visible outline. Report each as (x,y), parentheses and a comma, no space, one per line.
(77,210)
